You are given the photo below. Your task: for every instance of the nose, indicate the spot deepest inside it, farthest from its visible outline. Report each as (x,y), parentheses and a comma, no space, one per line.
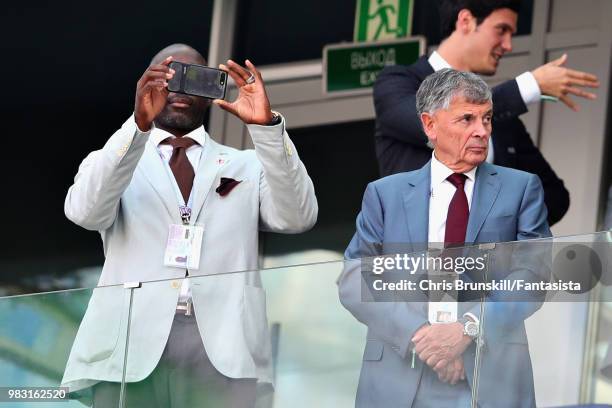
(481,130)
(507,42)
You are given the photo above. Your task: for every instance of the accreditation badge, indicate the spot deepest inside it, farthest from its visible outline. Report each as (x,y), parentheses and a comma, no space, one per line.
(184,246)
(443,312)
(442,305)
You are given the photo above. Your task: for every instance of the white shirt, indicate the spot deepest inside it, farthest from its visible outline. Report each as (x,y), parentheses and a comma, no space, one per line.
(527,84)
(194,153)
(441,194)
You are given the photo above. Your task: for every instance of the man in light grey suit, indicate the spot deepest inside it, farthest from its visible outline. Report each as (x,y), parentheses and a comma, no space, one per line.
(455,198)
(196,341)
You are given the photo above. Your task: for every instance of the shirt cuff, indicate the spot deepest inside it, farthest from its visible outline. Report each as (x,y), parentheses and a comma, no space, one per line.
(528,87)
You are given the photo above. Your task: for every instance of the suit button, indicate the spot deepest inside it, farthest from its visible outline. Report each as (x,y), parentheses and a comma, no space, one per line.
(175,284)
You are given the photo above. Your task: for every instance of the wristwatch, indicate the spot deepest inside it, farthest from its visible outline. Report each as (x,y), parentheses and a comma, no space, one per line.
(276,119)
(470,327)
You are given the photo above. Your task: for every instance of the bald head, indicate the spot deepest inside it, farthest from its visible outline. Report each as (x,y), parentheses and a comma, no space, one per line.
(179,52)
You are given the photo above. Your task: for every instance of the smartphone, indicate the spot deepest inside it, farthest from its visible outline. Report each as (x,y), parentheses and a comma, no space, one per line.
(198,80)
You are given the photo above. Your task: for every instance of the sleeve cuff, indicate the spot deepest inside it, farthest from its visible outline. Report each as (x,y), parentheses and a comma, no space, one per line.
(270,131)
(529,88)
(142,132)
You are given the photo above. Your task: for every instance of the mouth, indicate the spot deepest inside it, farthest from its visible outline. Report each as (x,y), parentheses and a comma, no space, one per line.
(496,57)
(477,149)
(179,103)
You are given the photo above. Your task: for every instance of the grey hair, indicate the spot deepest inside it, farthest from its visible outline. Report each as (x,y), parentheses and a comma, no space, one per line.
(439,88)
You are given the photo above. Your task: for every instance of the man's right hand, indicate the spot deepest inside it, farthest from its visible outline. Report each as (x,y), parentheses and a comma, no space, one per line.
(151,94)
(453,372)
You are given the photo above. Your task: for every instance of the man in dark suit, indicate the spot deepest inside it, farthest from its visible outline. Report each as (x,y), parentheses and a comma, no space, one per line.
(477,34)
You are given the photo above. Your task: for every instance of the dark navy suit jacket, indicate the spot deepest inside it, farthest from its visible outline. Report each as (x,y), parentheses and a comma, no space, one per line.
(401,142)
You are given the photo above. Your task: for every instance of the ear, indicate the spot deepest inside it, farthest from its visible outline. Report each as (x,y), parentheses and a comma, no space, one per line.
(466,22)
(428,122)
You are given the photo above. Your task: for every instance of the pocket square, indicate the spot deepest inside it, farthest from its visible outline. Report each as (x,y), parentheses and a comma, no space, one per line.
(226,185)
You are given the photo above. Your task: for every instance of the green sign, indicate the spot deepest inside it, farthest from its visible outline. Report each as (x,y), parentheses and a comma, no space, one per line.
(377,20)
(352,68)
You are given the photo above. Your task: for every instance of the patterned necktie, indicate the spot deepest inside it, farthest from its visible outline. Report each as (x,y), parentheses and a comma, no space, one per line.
(180,165)
(458,213)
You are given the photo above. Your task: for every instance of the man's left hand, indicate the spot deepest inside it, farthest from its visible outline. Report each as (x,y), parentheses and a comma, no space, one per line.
(439,344)
(252,105)
(556,80)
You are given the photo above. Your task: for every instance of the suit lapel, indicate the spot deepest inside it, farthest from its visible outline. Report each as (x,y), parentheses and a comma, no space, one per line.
(416,206)
(155,172)
(213,159)
(486,189)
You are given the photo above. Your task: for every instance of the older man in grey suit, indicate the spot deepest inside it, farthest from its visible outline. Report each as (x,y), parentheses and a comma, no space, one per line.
(162,178)
(410,360)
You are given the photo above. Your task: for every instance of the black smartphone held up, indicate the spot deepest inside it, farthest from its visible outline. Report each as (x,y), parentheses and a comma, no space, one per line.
(198,80)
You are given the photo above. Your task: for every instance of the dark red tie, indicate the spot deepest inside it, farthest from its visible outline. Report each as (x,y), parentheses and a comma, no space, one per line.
(458,213)
(180,165)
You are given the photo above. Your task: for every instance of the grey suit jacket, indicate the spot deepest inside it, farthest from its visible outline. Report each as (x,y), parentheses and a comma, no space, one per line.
(124,192)
(507,205)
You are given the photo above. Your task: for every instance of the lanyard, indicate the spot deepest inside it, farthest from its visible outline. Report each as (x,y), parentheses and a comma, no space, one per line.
(185,212)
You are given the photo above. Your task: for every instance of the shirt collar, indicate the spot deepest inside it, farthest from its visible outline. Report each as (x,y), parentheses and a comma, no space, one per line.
(198,134)
(439,172)
(437,62)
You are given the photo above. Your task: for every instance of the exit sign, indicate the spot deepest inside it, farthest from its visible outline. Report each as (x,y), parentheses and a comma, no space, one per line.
(379,20)
(352,68)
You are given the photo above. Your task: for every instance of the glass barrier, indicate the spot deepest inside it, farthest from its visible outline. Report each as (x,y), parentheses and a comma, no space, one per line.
(336,334)
(55,346)
(323,335)
(598,353)
(277,336)
(537,342)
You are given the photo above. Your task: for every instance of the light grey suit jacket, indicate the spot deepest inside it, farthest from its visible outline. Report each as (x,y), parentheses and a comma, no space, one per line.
(507,205)
(125,192)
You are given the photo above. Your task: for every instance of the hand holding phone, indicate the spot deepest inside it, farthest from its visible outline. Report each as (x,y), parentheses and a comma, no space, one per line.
(252,105)
(151,94)
(197,80)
